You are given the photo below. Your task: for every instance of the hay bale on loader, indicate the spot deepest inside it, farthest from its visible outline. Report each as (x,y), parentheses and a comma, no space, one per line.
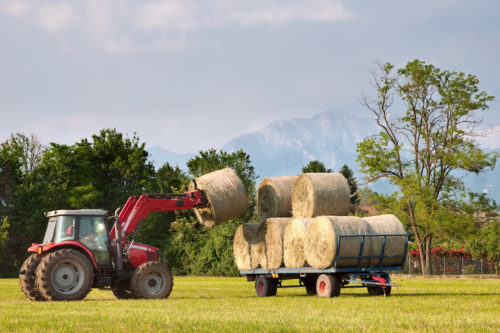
(394,245)
(245,246)
(321,241)
(270,238)
(320,194)
(274,197)
(294,242)
(226,195)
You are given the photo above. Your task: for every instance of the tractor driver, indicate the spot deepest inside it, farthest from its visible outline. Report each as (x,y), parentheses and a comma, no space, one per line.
(93,235)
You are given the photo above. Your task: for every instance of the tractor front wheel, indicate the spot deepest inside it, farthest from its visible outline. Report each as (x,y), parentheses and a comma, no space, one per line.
(123,290)
(151,280)
(65,275)
(27,278)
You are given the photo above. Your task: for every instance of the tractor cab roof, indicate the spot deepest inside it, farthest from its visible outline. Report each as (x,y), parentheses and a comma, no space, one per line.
(92,212)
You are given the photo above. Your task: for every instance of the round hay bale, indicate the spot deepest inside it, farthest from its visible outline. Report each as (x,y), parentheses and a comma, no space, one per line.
(270,235)
(226,195)
(394,245)
(293,243)
(274,197)
(245,239)
(321,241)
(318,194)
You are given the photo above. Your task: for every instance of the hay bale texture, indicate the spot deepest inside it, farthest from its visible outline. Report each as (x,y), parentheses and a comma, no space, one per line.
(246,255)
(294,242)
(319,194)
(321,241)
(270,236)
(274,197)
(226,195)
(394,245)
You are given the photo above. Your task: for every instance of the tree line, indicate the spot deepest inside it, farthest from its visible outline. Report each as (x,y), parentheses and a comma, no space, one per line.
(424,148)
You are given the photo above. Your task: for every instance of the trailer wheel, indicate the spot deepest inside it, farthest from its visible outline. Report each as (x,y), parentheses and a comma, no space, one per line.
(266,286)
(378,290)
(27,278)
(152,280)
(310,284)
(65,275)
(328,286)
(123,290)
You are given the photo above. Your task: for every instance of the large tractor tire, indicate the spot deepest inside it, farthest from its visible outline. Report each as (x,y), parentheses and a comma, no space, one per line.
(123,290)
(65,275)
(151,280)
(27,278)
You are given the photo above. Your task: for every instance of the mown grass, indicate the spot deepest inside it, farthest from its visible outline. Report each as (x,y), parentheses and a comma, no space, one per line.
(204,304)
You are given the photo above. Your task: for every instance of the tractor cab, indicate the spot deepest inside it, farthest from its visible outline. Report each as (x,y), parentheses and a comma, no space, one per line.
(85,227)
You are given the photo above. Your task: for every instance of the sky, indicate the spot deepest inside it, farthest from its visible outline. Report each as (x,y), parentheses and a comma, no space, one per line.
(187,75)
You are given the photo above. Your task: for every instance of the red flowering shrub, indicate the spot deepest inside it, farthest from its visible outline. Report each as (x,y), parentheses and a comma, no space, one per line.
(440,252)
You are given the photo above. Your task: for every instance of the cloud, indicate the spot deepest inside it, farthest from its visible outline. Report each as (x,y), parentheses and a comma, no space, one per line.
(125,26)
(489,138)
(54,18)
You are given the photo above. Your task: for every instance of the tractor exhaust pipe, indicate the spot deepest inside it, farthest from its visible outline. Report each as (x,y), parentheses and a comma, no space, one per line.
(118,233)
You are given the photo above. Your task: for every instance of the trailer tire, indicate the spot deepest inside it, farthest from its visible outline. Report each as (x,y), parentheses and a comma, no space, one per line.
(27,278)
(327,286)
(310,284)
(123,290)
(152,280)
(266,286)
(378,290)
(65,275)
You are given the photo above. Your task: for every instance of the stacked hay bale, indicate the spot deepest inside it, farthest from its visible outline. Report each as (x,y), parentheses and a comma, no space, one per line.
(294,242)
(246,247)
(270,239)
(274,197)
(320,194)
(394,245)
(226,195)
(323,232)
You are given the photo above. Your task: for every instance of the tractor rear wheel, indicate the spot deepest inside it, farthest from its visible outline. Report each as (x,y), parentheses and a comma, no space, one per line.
(65,275)
(27,278)
(123,290)
(327,286)
(152,280)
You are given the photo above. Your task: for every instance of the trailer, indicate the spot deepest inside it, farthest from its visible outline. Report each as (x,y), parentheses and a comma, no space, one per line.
(328,282)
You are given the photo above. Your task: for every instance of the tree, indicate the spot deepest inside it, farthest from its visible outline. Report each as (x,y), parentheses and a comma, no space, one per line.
(353,184)
(486,243)
(424,149)
(315,167)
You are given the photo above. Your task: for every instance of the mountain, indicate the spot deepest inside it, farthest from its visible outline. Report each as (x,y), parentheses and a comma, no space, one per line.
(284,147)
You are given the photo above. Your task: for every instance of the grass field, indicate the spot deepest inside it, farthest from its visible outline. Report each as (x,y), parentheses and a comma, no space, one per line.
(230,304)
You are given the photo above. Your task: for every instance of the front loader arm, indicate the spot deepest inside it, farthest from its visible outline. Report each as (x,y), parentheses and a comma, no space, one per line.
(137,208)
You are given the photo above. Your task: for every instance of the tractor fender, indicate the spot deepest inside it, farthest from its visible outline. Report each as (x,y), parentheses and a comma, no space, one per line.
(43,249)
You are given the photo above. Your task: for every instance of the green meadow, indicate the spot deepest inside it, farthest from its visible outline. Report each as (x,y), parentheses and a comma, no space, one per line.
(219,304)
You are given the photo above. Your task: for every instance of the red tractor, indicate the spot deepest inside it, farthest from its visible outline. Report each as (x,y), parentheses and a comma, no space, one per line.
(78,253)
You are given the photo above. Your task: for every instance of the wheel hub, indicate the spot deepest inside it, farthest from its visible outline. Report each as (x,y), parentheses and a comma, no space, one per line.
(154,283)
(67,277)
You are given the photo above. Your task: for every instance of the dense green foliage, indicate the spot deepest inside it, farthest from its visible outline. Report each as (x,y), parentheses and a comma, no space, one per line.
(425,148)
(218,304)
(353,184)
